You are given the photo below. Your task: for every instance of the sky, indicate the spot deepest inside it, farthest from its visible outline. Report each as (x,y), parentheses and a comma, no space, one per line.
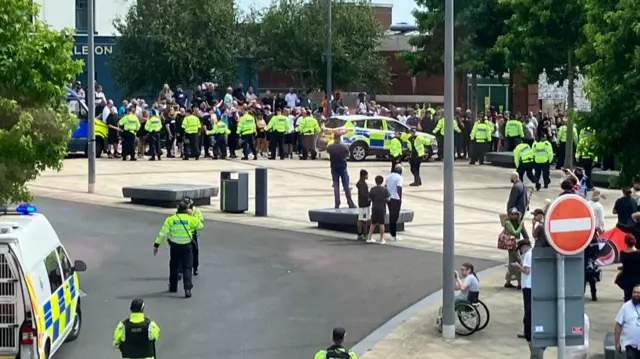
(401,8)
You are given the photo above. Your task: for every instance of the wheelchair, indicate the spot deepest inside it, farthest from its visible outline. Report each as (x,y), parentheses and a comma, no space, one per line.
(472,315)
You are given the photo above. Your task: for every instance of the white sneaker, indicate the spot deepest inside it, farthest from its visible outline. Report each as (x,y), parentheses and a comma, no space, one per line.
(370,240)
(383,242)
(396,238)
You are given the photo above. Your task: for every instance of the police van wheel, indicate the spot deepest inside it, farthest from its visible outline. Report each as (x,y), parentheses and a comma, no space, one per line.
(77,325)
(428,155)
(358,151)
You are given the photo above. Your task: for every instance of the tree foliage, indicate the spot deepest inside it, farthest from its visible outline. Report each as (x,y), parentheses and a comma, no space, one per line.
(292,38)
(35,124)
(477,26)
(177,42)
(613,35)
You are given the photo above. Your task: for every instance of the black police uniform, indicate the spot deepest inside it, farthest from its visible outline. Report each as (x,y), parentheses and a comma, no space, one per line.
(137,343)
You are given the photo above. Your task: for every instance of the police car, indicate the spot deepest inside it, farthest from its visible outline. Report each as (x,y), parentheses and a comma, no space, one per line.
(370,135)
(39,288)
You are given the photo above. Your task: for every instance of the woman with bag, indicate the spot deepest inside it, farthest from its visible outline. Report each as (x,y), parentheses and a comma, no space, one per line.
(507,240)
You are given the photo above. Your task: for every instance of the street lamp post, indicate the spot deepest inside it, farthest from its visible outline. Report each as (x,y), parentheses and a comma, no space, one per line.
(91,145)
(448,324)
(329,55)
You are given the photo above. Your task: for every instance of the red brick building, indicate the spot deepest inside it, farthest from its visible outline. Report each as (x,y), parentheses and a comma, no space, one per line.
(404,89)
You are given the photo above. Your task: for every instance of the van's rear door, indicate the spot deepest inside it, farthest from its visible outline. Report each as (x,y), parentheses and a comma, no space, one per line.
(11,302)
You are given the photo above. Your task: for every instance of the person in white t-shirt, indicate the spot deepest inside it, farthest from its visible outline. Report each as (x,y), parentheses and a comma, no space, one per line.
(598,210)
(291,98)
(627,329)
(394,186)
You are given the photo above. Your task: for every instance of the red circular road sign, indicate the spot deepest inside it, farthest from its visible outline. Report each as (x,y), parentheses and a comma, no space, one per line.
(569,224)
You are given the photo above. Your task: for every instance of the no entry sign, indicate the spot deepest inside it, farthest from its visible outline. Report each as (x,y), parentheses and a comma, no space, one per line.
(569,224)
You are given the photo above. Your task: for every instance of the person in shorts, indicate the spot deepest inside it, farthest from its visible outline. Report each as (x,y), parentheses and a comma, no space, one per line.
(364,212)
(379,196)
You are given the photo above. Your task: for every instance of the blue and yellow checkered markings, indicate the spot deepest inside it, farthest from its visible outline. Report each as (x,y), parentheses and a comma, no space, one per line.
(376,143)
(57,310)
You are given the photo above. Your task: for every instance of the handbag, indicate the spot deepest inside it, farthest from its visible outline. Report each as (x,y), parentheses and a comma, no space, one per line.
(506,240)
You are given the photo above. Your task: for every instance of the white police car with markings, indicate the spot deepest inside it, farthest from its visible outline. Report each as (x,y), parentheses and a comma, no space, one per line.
(39,287)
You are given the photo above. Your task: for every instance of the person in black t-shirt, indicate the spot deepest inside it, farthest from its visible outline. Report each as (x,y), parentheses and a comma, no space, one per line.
(364,212)
(625,207)
(379,196)
(238,94)
(112,136)
(180,131)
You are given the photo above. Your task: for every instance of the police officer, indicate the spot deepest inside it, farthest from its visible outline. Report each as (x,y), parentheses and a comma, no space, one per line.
(585,154)
(308,127)
(481,137)
(337,350)
(196,212)
(542,155)
(246,130)
(562,144)
(416,146)
(219,131)
(178,228)
(513,133)
(191,125)
(395,149)
(154,126)
(439,132)
(136,336)
(279,127)
(523,157)
(130,124)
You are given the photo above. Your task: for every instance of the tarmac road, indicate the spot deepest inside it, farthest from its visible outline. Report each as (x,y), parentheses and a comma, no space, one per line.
(261,293)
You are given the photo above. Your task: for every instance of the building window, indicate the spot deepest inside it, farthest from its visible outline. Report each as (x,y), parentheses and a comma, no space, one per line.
(82,11)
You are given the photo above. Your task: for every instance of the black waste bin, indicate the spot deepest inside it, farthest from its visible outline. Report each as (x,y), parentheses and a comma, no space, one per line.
(234,192)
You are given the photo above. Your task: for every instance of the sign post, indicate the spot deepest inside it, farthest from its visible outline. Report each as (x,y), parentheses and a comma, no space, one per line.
(569,226)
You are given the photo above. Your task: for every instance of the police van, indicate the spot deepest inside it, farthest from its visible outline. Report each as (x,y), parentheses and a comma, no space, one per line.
(39,288)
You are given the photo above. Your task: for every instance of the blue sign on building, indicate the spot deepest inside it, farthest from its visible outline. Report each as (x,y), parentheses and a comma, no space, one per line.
(103,48)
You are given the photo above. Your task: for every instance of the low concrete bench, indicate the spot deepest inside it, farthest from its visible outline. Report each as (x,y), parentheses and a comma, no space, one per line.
(603,178)
(500,159)
(610,349)
(170,194)
(346,219)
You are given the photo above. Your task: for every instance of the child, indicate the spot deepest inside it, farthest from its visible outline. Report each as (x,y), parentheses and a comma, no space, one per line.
(379,196)
(364,212)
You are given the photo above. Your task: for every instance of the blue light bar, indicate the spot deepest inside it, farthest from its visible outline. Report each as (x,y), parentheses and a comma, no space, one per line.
(25,208)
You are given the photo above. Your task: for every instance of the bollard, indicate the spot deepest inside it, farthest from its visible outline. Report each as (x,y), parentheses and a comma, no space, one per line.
(261,192)
(224,176)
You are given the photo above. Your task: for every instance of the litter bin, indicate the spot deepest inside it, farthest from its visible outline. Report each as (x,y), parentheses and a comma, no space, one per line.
(234,192)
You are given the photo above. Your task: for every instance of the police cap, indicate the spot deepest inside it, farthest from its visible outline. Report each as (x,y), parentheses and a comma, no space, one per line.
(137,305)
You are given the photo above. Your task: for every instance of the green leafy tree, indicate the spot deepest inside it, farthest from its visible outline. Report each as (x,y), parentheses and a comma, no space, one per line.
(35,124)
(545,36)
(476,29)
(291,38)
(176,42)
(614,81)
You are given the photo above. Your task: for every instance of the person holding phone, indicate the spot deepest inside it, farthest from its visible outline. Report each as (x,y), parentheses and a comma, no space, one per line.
(467,281)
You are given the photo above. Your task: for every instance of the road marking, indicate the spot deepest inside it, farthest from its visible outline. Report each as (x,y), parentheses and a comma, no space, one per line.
(570,225)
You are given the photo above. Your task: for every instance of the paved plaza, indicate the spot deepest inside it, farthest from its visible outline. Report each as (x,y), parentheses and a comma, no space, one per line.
(298,186)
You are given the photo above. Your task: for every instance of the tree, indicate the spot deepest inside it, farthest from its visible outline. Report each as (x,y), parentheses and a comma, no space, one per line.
(176,42)
(35,123)
(477,27)
(292,39)
(614,81)
(545,36)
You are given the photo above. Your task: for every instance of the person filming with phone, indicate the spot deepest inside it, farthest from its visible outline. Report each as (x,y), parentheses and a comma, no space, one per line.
(467,282)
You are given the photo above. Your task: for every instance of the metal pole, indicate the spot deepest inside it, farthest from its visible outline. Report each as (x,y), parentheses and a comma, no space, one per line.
(448,324)
(91,145)
(562,340)
(261,192)
(329,55)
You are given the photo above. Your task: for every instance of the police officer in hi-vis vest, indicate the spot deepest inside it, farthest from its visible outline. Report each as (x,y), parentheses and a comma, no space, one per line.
(337,350)
(136,336)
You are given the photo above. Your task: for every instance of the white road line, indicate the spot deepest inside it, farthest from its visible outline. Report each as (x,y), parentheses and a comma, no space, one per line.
(570,225)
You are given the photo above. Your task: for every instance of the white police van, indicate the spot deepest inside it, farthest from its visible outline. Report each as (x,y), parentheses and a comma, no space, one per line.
(39,288)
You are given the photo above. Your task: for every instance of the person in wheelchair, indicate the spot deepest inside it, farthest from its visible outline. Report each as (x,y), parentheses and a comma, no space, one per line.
(467,282)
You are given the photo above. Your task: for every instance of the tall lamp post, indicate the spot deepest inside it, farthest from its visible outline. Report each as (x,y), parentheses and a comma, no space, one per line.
(91,79)
(328,89)
(448,324)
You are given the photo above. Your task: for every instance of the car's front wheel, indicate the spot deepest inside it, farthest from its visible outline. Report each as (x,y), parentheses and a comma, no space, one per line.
(358,151)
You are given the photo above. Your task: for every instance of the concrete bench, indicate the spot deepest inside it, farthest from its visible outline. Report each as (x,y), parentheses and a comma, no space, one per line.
(500,159)
(610,349)
(346,219)
(168,195)
(603,178)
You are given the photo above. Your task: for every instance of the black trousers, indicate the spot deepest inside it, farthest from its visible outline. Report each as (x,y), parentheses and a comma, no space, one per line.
(207,143)
(232,141)
(220,146)
(478,151)
(394,214)
(528,141)
(248,146)
(526,320)
(608,163)
(195,247)
(394,161)
(528,169)
(128,144)
(277,142)
(440,139)
(631,352)
(587,164)
(192,150)
(415,163)
(591,280)
(542,168)
(169,144)
(180,261)
(308,146)
(510,143)
(154,144)
(562,147)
